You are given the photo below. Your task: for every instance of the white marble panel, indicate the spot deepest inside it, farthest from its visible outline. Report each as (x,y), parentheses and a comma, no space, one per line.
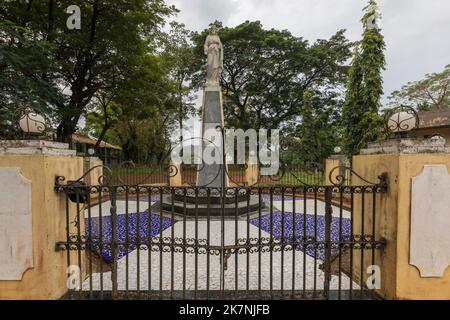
(430,221)
(16,241)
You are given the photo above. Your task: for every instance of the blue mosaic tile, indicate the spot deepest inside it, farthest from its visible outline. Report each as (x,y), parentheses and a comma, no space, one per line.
(315,225)
(145,231)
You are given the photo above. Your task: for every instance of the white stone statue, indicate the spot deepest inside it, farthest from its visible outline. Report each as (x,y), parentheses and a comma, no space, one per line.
(214,51)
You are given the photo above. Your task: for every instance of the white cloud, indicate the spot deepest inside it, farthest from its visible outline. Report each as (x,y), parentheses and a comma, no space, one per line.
(416,31)
(198,14)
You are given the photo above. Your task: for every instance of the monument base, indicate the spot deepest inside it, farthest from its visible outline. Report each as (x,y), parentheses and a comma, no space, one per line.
(212,206)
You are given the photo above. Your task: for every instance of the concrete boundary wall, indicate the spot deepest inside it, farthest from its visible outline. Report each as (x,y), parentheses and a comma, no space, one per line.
(399,278)
(48,276)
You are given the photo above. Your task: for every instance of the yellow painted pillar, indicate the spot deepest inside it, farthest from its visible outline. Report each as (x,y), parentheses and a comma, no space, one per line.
(331,163)
(402,161)
(175,179)
(251,173)
(39,162)
(95,175)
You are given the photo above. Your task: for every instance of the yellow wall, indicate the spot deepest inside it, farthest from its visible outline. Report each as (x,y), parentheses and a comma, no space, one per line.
(370,167)
(47,279)
(400,280)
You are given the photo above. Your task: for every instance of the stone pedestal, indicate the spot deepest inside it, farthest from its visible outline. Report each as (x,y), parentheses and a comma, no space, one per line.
(214,206)
(413,217)
(211,174)
(33,218)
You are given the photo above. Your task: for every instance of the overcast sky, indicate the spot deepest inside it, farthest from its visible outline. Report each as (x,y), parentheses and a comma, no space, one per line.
(417,32)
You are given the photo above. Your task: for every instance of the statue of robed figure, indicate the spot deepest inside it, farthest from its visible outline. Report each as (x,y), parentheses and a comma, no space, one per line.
(214,51)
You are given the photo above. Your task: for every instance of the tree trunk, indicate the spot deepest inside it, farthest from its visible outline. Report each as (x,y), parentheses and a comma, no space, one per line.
(65,130)
(180,88)
(126,151)
(106,123)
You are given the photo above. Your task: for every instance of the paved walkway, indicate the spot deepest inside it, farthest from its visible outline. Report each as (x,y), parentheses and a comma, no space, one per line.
(276,267)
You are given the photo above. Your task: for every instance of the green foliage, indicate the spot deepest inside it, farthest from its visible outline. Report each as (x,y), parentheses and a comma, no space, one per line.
(360,117)
(314,137)
(134,84)
(20,60)
(267,75)
(182,65)
(77,64)
(141,114)
(430,93)
(266,72)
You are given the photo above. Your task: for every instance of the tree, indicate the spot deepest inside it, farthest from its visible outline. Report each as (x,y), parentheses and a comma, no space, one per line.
(430,93)
(267,76)
(313,137)
(79,63)
(181,64)
(104,116)
(266,72)
(141,114)
(20,60)
(360,117)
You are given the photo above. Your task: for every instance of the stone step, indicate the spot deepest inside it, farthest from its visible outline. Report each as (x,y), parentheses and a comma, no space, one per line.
(214,209)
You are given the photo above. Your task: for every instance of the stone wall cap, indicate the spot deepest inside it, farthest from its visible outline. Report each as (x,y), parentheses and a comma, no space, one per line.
(33,143)
(338,157)
(35,147)
(406,146)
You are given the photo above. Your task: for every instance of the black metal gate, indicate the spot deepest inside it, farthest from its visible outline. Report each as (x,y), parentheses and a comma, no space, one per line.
(268,241)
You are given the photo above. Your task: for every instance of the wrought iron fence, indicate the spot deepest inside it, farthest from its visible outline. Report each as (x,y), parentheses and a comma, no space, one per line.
(138,174)
(280,242)
(297,175)
(236,172)
(289,175)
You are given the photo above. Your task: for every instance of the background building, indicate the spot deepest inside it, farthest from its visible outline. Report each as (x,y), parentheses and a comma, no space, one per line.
(433,122)
(109,153)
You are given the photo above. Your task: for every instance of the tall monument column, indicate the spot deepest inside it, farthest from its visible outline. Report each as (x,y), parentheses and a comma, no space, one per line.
(210,173)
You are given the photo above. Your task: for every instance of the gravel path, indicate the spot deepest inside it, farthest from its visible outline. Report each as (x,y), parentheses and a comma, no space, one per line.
(195,273)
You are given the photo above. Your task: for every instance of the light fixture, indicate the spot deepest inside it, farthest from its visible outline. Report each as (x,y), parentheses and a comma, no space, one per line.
(31,123)
(401,120)
(337,150)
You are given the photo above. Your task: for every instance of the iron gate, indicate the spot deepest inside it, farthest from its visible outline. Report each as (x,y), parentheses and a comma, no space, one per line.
(255,242)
